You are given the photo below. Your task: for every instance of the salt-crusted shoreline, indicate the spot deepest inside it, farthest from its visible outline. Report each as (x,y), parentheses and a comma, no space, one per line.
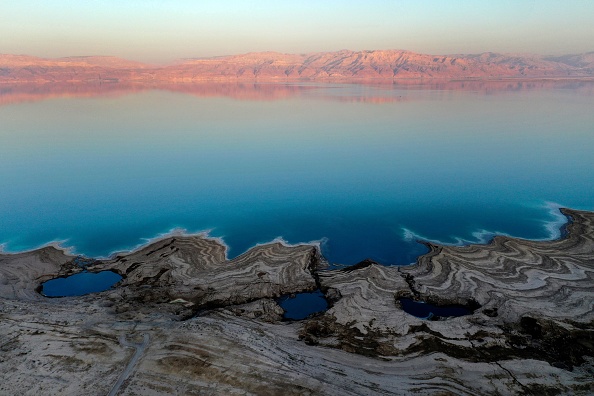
(215,328)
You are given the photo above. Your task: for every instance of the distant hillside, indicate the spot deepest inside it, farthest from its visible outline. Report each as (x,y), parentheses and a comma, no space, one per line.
(272,66)
(106,61)
(16,61)
(585,61)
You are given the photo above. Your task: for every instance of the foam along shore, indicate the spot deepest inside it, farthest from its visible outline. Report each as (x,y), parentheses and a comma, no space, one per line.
(212,325)
(554,228)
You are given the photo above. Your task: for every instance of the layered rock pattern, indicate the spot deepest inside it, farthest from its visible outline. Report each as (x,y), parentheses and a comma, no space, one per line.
(531,300)
(195,269)
(215,327)
(553,279)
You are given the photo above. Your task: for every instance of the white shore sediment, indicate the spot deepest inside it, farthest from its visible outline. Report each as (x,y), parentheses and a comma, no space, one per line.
(214,326)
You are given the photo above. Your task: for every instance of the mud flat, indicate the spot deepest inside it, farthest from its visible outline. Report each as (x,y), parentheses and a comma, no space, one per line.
(186,320)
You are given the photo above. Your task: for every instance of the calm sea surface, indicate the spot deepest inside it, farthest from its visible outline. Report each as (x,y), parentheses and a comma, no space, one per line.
(366,170)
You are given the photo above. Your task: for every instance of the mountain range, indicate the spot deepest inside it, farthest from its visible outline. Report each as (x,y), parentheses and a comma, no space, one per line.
(322,66)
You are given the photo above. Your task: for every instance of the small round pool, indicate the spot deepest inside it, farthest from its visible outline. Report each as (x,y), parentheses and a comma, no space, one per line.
(301,305)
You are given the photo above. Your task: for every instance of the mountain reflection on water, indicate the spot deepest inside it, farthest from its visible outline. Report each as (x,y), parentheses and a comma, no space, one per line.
(372,91)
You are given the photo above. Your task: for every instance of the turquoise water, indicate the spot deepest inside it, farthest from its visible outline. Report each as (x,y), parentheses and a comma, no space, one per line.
(364,170)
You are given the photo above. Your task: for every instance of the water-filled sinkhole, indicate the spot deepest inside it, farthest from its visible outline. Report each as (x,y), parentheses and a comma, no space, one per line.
(301,305)
(79,284)
(429,311)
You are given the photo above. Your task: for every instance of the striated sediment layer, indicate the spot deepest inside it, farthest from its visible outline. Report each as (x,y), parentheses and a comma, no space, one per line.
(186,320)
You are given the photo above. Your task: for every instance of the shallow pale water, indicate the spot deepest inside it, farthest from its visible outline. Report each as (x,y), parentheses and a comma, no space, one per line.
(366,170)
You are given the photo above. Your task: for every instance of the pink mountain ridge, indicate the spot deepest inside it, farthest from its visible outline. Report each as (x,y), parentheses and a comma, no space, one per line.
(321,66)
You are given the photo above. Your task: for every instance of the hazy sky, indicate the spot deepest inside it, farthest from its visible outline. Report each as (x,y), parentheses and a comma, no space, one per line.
(163,30)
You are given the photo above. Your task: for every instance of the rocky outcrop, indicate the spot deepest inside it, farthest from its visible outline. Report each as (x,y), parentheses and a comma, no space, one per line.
(194,270)
(516,277)
(22,273)
(531,301)
(215,326)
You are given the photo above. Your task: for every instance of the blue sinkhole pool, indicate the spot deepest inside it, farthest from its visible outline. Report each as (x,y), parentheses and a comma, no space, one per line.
(429,311)
(301,305)
(80,284)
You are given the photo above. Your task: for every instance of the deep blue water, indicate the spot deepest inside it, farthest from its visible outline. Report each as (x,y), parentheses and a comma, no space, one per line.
(301,305)
(80,284)
(365,170)
(428,311)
